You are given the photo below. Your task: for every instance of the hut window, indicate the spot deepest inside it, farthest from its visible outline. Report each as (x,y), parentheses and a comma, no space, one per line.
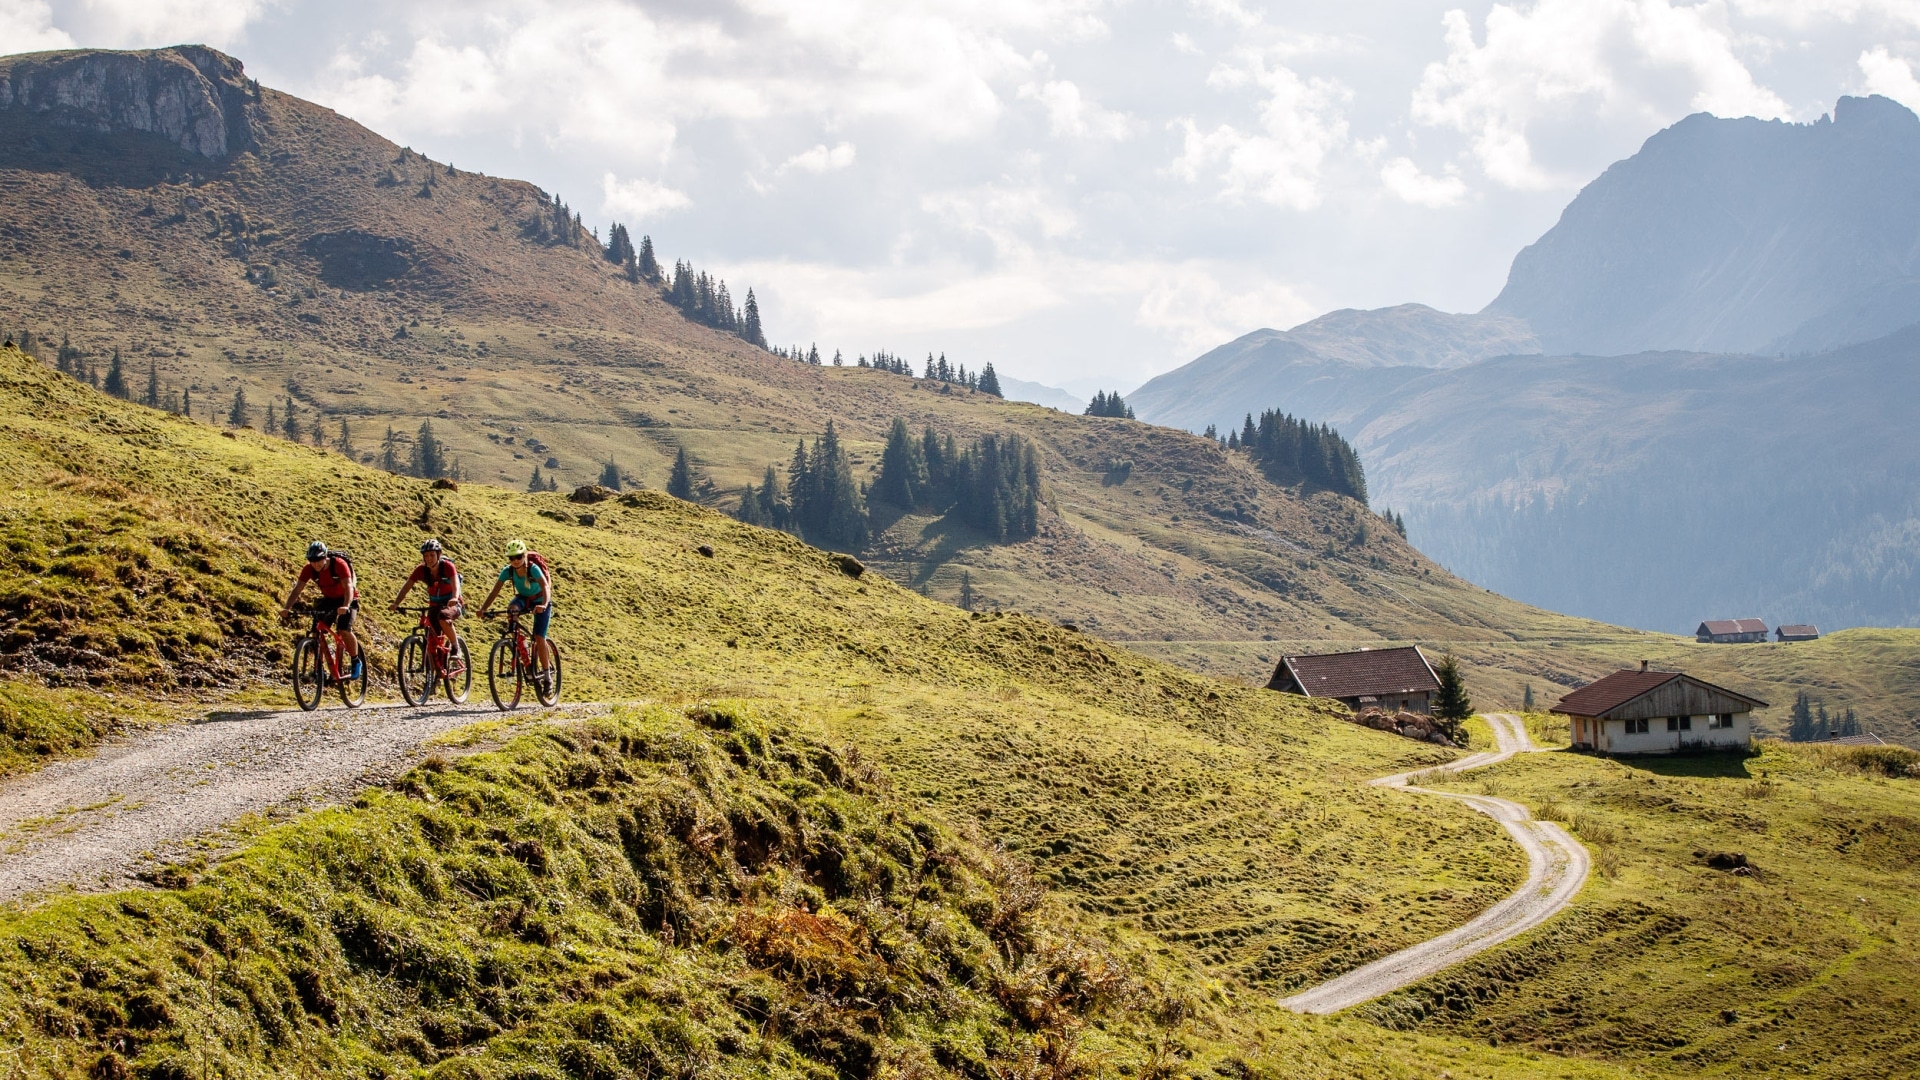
(1679,723)
(1636,727)
(1721,720)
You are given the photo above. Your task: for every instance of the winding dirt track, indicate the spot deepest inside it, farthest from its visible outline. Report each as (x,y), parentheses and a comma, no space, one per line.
(95,822)
(1557,865)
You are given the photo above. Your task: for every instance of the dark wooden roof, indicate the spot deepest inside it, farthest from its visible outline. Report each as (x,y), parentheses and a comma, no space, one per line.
(1608,695)
(1805,630)
(1868,739)
(1369,672)
(1719,627)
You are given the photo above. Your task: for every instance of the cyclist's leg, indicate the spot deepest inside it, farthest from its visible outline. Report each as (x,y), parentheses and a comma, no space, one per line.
(343,625)
(541,652)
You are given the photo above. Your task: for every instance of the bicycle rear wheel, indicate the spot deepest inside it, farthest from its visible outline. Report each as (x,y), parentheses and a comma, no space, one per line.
(503,675)
(458,677)
(353,692)
(416,671)
(546,685)
(307,681)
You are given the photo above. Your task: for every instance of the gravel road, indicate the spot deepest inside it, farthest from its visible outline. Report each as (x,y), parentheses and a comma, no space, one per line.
(1557,865)
(95,822)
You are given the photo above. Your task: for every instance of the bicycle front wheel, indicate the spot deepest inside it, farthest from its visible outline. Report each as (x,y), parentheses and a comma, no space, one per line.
(353,692)
(458,678)
(503,675)
(415,672)
(546,685)
(308,683)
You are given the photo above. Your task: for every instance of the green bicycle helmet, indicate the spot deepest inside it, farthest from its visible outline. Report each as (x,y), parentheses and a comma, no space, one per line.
(516,548)
(316,550)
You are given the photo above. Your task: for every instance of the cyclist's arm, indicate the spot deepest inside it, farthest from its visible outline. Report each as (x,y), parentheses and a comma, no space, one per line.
(459,587)
(488,602)
(405,588)
(286,609)
(546,593)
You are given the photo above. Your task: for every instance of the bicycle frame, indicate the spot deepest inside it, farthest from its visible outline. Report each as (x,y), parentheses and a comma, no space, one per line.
(323,631)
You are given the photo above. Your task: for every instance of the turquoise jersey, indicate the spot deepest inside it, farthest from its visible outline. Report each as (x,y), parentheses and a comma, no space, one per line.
(528,587)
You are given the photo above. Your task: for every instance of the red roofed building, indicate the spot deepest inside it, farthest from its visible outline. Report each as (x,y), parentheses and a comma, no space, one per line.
(1731,631)
(1391,679)
(1657,712)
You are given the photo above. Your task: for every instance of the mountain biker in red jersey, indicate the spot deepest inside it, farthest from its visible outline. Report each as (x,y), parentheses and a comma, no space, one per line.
(333,575)
(442,580)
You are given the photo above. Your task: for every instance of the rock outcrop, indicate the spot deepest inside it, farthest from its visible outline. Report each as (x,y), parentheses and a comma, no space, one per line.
(196,98)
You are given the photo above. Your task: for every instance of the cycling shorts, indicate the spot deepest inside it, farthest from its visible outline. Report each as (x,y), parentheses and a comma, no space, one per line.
(521,605)
(337,614)
(446,611)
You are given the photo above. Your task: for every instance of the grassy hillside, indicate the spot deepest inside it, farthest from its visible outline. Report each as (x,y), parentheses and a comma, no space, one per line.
(1218,834)
(523,351)
(1804,964)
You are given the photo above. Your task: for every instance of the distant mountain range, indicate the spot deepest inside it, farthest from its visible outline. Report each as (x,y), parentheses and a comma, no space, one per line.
(1041,394)
(1736,236)
(1764,465)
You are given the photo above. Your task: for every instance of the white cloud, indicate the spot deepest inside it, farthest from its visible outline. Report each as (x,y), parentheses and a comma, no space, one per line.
(638,199)
(821,159)
(1301,122)
(153,23)
(1890,75)
(1071,114)
(1230,12)
(27,26)
(1191,305)
(1546,60)
(1404,180)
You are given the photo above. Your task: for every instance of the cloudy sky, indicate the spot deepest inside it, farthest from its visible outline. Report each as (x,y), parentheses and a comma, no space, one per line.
(1085,192)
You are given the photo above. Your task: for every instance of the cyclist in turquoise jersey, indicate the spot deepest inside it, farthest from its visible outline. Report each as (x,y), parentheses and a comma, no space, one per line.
(532,593)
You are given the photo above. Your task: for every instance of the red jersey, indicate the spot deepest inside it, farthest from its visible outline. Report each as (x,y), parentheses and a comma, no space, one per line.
(334,579)
(443,583)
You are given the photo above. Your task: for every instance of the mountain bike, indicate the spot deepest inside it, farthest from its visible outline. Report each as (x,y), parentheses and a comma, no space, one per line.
(320,660)
(511,665)
(429,661)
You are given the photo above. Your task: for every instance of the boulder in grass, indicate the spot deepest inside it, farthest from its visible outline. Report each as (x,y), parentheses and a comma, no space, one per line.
(591,493)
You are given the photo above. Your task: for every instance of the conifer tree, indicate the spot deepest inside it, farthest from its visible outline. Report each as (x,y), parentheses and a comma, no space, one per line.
(750,330)
(774,508)
(646,263)
(117,377)
(1451,705)
(552,483)
(429,460)
(186,403)
(680,480)
(344,444)
(67,358)
(1526,698)
(903,470)
(317,434)
(390,451)
(153,384)
(610,475)
(271,423)
(240,415)
(966,590)
(1111,405)
(990,382)
(536,483)
(290,422)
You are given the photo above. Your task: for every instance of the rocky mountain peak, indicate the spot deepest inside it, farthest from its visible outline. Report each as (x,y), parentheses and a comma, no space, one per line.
(189,96)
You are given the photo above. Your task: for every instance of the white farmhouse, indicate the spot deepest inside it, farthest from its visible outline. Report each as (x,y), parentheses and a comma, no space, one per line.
(1657,712)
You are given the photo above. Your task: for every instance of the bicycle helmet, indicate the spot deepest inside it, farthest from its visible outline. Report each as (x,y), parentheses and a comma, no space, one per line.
(516,548)
(431,545)
(316,550)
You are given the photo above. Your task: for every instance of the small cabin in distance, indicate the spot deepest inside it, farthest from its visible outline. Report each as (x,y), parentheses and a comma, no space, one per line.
(1731,631)
(1397,680)
(1797,632)
(1657,712)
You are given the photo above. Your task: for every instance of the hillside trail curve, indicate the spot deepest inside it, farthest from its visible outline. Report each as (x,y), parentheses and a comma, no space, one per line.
(1557,866)
(98,822)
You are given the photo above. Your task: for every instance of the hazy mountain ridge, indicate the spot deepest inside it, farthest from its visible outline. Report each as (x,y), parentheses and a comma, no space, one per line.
(1736,235)
(1326,367)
